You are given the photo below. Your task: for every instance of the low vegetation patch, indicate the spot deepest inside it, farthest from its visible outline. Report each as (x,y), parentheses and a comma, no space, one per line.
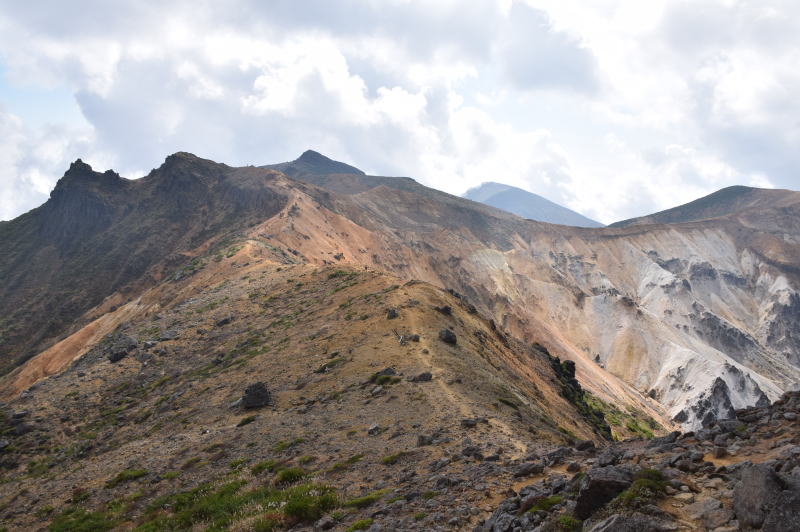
(266,465)
(366,500)
(218,507)
(361,524)
(246,421)
(545,504)
(125,476)
(341,466)
(290,475)
(648,485)
(567,523)
(393,458)
(75,519)
(329,365)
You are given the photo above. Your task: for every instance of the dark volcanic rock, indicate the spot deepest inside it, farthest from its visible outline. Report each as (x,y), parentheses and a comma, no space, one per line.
(758,488)
(256,395)
(447,336)
(784,516)
(598,486)
(119,346)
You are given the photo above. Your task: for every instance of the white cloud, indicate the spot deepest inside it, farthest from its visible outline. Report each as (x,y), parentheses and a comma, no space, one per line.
(613,108)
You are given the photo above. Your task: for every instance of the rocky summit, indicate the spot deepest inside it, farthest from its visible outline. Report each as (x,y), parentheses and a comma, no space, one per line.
(303,346)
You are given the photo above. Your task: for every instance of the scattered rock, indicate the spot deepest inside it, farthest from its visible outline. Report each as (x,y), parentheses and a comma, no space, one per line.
(425,376)
(528,469)
(224,321)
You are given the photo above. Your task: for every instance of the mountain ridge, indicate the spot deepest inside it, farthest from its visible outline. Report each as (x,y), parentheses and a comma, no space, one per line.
(723,202)
(493,257)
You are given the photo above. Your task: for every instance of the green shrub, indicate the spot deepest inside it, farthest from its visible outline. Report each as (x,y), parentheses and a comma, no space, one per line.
(341,466)
(290,475)
(393,458)
(266,465)
(246,421)
(126,476)
(545,503)
(647,487)
(361,524)
(308,503)
(329,365)
(239,462)
(375,378)
(366,500)
(567,523)
(268,524)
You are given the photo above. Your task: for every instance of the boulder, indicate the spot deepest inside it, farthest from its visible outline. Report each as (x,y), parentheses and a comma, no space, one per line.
(528,469)
(758,488)
(425,376)
(224,321)
(447,336)
(598,486)
(391,314)
(256,395)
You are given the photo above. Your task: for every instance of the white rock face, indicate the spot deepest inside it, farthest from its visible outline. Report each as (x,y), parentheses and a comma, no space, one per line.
(683,315)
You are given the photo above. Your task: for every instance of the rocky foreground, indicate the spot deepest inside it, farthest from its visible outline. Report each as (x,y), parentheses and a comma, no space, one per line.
(737,474)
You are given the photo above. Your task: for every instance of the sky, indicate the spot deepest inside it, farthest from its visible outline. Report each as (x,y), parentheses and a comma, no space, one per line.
(612,108)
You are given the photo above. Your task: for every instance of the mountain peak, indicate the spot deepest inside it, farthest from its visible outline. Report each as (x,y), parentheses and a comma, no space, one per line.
(81,175)
(314,163)
(313,156)
(78,168)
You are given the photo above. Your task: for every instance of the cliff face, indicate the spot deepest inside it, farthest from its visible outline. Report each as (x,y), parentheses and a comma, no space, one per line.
(684,321)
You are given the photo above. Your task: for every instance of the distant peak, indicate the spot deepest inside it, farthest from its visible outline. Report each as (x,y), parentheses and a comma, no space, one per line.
(314,162)
(181,156)
(311,156)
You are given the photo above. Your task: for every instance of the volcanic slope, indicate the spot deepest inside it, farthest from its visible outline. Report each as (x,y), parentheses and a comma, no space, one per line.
(684,321)
(372,411)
